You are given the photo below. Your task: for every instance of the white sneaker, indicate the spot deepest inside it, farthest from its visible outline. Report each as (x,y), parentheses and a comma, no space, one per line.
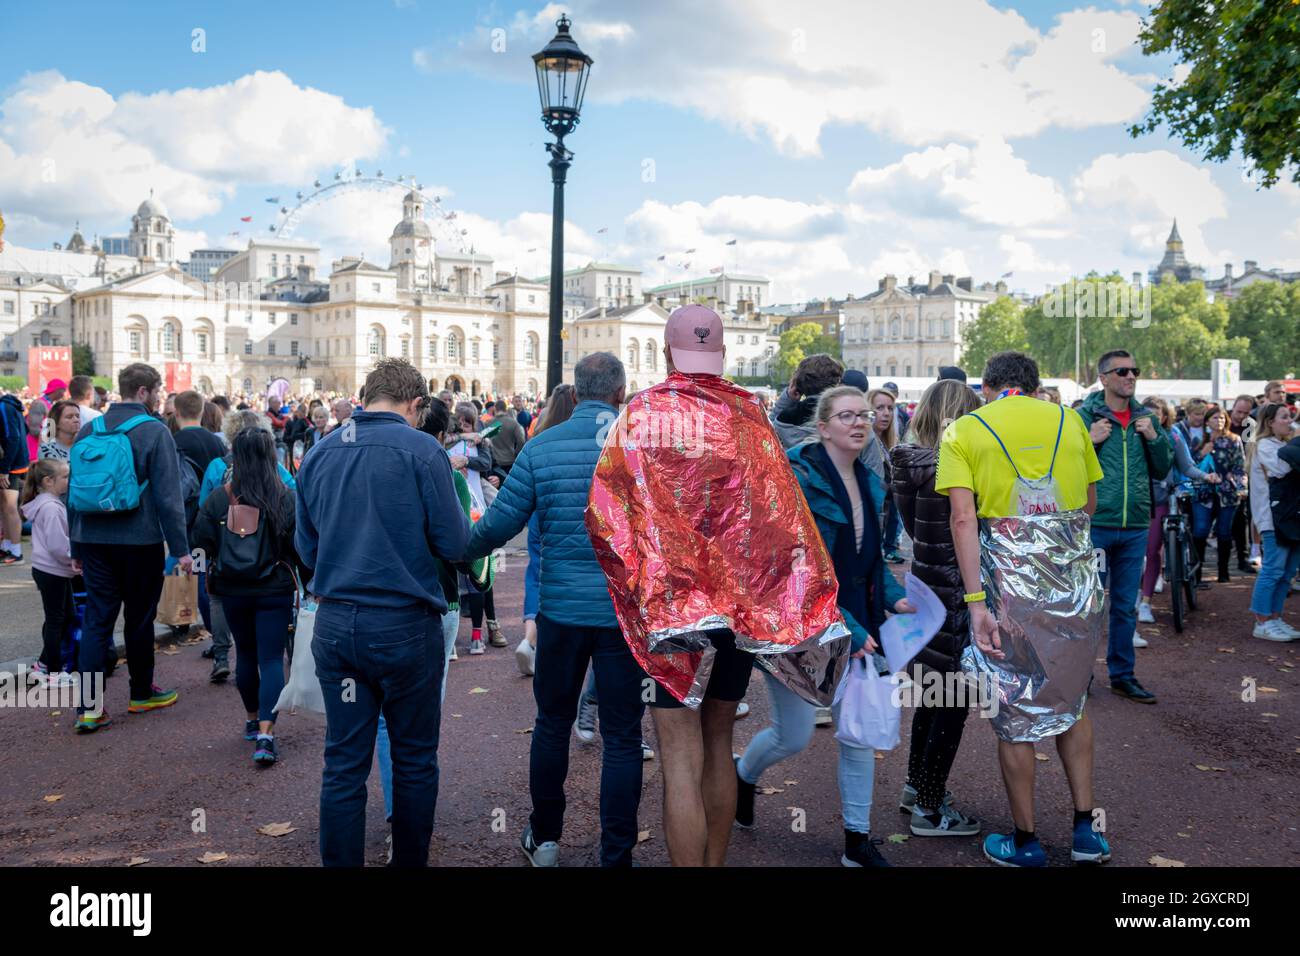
(1144,613)
(823,718)
(1269,631)
(454,655)
(525,657)
(742,710)
(647,753)
(1160,584)
(1140,641)
(476,647)
(1282,626)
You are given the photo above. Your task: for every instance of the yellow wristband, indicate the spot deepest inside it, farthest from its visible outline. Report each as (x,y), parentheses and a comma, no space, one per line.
(974,598)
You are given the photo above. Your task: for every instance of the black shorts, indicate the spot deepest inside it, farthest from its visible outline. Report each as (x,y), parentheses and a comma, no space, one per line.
(729,678)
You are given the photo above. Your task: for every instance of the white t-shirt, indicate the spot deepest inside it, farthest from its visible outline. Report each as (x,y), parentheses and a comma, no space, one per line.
(88,414)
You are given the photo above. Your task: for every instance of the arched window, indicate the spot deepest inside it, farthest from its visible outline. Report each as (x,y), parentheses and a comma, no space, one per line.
(168,343)
(531,349)
(633,355)
(880,328)
(375,341)
(894,327)
(454,350)
(473,351)
(433,348)
(651,356)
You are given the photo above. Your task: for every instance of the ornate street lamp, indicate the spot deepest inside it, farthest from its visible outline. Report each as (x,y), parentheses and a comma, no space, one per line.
(562,71)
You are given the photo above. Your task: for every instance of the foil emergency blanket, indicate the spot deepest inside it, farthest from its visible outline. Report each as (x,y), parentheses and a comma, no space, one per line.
(1044,589)
(700,526)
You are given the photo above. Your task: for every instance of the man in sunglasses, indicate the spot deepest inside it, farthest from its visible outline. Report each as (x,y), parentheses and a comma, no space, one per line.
(1133,451)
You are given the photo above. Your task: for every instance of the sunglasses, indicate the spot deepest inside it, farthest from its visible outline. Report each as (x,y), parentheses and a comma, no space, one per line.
(1124,372)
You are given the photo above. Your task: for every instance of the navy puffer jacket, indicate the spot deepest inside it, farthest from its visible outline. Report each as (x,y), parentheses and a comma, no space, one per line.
(552,477)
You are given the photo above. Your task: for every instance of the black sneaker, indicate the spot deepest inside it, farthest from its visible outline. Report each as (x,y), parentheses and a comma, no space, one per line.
(860,850)
(265,754)
(744,799)
(250,730)
(209,652)
(1131,689)
(220,672)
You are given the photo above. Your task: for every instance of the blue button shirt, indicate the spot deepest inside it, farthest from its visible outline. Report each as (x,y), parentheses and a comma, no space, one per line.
(376,509)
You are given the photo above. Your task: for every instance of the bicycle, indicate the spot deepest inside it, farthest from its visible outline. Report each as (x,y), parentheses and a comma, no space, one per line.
(1181,562)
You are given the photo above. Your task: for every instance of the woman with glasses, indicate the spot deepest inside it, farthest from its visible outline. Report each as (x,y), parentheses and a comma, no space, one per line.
(843,495)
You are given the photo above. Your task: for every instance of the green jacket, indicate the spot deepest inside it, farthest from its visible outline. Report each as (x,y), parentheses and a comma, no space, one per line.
(1129,463)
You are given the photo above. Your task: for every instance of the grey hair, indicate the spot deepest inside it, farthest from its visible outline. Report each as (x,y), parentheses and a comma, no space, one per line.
(598,377)
(237,421)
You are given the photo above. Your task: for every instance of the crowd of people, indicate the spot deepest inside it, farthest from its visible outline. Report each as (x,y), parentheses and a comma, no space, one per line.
(385,511)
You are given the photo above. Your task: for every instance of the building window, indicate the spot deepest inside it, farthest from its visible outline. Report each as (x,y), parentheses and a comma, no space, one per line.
(929,371)
(496,352)
(9,306)
(201,339)
(270,348)
(374,286)
(248,346)
(406,348)
(375,342)
(947,328)
(453,347)
(433,349)
(168,339)
(275,272)
(134,342)
(907,371)
(293,347)
(532,299)
(753,340)
(893,370)
(293,318)
(877,369)
(473,351)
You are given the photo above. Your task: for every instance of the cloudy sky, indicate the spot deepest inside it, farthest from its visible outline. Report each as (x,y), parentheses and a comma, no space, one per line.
(834,140)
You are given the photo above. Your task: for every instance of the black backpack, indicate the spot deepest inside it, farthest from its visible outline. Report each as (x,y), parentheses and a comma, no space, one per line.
(1284,501)
(191,482)
(246,553)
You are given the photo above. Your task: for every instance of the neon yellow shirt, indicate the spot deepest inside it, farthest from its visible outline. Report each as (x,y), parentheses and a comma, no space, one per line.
(970,457)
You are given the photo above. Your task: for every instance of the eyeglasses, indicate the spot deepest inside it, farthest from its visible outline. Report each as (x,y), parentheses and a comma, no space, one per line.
(853,418)
(1124,372)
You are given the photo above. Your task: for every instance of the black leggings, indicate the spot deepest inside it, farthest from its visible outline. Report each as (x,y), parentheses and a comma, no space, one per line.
(56,598)
(936,735)
(479,603)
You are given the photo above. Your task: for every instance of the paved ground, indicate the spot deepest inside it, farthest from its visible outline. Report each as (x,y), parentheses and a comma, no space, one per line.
(133,789)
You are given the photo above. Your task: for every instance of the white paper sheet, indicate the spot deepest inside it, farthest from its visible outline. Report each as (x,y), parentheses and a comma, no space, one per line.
(903,635)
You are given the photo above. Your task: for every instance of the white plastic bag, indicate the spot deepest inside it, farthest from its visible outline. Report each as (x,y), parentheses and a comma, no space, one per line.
(867,715)
(302,690)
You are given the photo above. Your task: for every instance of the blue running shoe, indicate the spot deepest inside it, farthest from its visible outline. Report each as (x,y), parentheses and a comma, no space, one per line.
(1000,848)
(1089,845)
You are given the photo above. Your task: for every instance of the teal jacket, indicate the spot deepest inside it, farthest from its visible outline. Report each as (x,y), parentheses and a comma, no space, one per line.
(832,521)
(1129,463)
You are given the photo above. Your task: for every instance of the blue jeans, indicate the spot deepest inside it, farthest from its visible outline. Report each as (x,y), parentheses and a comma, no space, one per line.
(260,627)
(1125,549)
(893,524)
(1274,579)
(563,652)
(373,659)
(1203,517)
(450,627)
(793,719)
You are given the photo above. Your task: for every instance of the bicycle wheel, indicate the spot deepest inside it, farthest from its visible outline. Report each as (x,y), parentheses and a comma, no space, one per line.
(1189,571)
(1175,574)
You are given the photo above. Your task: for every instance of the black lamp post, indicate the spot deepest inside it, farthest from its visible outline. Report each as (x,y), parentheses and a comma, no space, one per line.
(562,71)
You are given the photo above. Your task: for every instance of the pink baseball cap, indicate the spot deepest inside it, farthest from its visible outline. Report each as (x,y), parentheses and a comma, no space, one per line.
(694,337)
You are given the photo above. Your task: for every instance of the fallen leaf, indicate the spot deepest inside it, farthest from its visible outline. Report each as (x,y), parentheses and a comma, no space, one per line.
(526,730)
(211,857)
(53,797)
(1042,757)
(1227,650)
(55,713)
(1201,766)
(455,715)
(789,783)
(880,756)
(1267,690)
(1219,769)
(1187,835)
(276,829)
(137,860)
(899,837)
(1161,861)
(768,791)
(642,836)
(478,690)
(1268,715)
(169,651)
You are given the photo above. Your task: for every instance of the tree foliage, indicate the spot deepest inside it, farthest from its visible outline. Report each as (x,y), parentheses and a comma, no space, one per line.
(797,344)
(999,327)
(1243,89)
(1267,316)
(83,359)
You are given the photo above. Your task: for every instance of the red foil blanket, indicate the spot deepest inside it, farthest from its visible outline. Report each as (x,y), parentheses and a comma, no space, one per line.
(699,525)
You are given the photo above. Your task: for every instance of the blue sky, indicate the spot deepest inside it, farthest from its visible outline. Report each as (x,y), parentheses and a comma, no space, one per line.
(836,141)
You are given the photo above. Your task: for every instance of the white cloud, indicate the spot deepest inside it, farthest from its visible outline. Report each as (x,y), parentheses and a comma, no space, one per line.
(70,150)
(1020,257)
(986,183)
(917,72)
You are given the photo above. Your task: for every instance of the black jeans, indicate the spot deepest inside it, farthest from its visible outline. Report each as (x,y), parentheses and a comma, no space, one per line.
(936,735)
(563,652)
(372,659)
(260,627)
(120,576)
(56,598)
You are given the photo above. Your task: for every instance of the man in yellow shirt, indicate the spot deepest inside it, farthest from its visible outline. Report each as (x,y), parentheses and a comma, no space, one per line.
(1026,471)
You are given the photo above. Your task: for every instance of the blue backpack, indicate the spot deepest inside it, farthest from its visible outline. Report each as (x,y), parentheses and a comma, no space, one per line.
(103,469)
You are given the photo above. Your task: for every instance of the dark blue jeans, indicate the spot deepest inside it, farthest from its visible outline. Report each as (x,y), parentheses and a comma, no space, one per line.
(1125,549)
(119,577)
(373,659)
(1204,517)
(260,627)
(563,652)
(893,525)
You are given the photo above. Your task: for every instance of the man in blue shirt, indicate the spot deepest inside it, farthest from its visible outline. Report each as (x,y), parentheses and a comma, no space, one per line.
(376,510)
(576,625)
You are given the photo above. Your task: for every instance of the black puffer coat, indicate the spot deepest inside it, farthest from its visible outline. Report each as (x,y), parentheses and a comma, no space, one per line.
(925,515)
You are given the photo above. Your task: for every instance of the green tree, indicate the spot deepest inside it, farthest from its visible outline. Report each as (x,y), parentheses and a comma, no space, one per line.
(1186,333)
(1266,315)
(83,359)
(1082,305)
(1244,86)
(999,327)
(797,344)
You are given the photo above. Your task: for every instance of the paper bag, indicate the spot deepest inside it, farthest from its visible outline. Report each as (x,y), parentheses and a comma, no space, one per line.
(179,604)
